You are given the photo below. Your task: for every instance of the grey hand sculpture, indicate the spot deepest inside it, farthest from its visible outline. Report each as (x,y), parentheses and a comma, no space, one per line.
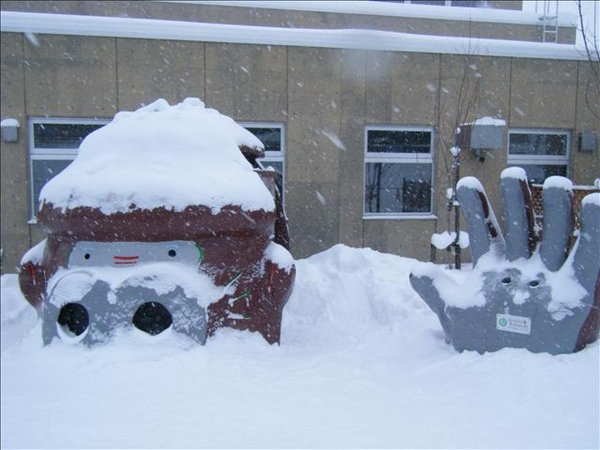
(521,293)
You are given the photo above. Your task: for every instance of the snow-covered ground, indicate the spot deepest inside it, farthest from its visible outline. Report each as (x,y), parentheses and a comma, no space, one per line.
(362,364)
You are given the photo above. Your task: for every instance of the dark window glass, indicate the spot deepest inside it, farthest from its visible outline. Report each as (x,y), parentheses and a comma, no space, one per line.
(463,3)
(537,173)
(270,137)
(467,3)
(61,135)
(386,141)
(397,187)
(43,171)
(538,144)
(428,2)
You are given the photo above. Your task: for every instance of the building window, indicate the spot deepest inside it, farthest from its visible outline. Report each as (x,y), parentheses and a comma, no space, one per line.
(398,171)
(53,145)
(542,153)
(462,3)
(273,138)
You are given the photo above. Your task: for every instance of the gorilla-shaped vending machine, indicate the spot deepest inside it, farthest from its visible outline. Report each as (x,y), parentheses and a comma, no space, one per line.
(164,221)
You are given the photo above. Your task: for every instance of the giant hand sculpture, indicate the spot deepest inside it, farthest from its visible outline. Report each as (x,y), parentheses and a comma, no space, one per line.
(521,293)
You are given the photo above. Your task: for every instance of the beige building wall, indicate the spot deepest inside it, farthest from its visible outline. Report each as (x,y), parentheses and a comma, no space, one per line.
(152,69)
(14,196)
(313,159)
(585,166)
(324,98)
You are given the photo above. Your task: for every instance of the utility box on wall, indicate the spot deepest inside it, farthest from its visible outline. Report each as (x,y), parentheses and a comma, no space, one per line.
(588,141)
(486,133)
(10,130)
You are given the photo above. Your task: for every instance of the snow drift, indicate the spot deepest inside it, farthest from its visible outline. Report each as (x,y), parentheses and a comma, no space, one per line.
(362,363)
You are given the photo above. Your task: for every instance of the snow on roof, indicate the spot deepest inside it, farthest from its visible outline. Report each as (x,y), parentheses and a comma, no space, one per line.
(361,39)
(488,121)
(161,155)
(9,123)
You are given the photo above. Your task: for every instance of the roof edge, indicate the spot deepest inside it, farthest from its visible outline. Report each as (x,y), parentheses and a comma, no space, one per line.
(351,39)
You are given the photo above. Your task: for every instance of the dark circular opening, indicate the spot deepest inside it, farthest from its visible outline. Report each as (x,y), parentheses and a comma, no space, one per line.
(87,256)
(74,317)
(172,253)
(534,283)
(152,318)
(506,280)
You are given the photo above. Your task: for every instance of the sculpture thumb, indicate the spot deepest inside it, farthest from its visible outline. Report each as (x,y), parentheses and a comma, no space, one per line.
(586,265)
(586,259)
(423,281)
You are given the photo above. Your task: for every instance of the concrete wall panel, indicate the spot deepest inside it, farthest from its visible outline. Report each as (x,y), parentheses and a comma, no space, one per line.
(247,82)
(13,156)
(153,69)
(313,153)
(351,136)
(409,238)
(586,165)
(57,67)
(543,93)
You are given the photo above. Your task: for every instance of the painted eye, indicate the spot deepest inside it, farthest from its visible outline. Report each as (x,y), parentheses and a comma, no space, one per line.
(87,253)
(506,280)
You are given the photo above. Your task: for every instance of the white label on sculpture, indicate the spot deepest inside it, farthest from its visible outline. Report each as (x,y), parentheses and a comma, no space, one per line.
(513,324)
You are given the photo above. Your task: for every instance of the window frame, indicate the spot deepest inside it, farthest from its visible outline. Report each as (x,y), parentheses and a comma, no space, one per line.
(449,3)
(50,153)
(540,160)
(398,158)
(277,156)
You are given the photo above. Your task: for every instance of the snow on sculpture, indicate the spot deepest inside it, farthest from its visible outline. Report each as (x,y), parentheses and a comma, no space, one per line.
(164,221)
(523,292)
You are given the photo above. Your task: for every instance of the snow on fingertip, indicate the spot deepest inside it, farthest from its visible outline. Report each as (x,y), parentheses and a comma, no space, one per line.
(591,199)
(514,172)
(471,183)
(558,182)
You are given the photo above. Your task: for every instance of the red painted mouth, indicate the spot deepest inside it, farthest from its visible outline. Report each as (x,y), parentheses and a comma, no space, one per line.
(125,260)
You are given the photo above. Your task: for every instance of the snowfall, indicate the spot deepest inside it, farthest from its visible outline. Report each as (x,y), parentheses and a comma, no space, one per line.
(362,362)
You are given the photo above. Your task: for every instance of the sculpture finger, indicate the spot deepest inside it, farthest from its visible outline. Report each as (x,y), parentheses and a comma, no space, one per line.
(484,232)
(518,214)
(558,221)
(586,264)
(586,254)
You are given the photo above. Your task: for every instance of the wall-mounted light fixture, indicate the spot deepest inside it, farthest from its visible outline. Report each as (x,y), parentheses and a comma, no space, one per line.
(10,130)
